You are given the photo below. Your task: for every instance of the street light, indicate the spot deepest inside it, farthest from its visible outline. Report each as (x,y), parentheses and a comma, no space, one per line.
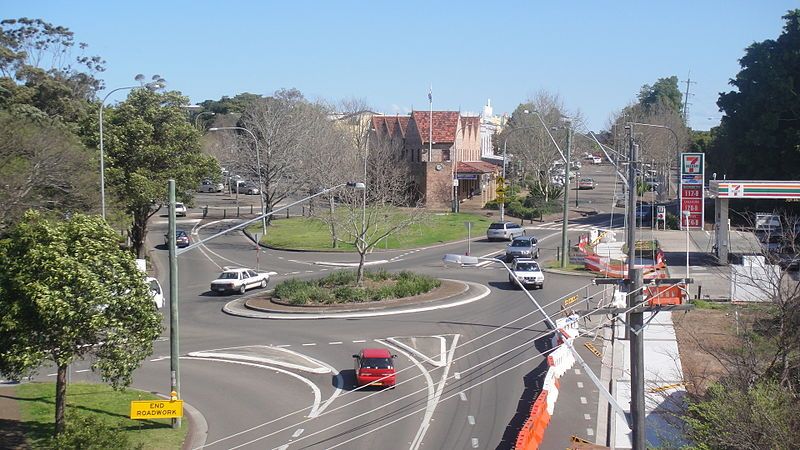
(258,164)
(197,117)
(154,85)
(677,150)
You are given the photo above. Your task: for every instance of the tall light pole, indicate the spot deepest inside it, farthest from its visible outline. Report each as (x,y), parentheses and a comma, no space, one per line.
(157,84)
(258,164)
(565,220)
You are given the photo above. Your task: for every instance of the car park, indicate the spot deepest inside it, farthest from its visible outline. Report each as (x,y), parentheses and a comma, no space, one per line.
(210,186)
(523,247)
(505,231)
(181,239)
(527,272)
(247,187)
(375,367)
(586,183)
(239,280)
(180,209)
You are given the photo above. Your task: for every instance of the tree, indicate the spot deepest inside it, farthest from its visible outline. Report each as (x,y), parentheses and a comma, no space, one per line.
(68,291)
(149,141)
(36,70)
(44,167)
(759,135)
(664,92)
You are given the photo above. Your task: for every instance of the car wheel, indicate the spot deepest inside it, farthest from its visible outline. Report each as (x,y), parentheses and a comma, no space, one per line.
(537,254)
(263,284)
(242,289)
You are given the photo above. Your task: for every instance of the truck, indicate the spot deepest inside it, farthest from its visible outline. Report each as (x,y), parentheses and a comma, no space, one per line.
(768,223)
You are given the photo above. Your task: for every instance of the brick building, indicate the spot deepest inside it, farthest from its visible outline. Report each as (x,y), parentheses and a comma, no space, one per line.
(431,153)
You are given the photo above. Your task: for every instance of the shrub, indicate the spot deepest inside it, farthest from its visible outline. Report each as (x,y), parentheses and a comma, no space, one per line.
(89,432)
(339,287)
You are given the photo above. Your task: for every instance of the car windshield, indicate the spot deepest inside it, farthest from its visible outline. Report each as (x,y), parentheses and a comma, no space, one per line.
(229,276)
(155,287)
(586,180)
(180,233)
(497,226)
(376,363)
(179,205)
(521,243)
(528,267)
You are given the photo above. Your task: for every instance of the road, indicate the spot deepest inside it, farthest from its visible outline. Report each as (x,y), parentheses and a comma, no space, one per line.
(467,375)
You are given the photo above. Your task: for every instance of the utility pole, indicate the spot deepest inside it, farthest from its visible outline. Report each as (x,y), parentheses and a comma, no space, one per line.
(175,373)
(565,222)
(686,100)
(635,320)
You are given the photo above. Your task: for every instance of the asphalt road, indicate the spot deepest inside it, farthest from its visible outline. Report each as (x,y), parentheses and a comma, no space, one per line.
(467,374)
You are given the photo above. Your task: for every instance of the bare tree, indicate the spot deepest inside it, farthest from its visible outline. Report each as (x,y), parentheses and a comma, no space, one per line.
(42,167)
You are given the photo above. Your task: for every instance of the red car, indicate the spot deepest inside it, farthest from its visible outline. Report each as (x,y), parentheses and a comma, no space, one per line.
(375,366)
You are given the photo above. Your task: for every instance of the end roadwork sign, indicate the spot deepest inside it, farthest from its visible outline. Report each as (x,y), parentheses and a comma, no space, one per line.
(156,409)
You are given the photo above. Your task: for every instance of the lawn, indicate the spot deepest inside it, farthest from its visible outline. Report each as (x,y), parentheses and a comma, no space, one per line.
(37,410)
(303,233)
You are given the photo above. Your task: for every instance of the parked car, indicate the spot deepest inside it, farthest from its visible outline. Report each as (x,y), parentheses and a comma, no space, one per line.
(239,280)
(210,186)
(528,272)
(181,239)
(619,200)
(644,213)
(597,160)
(504,231)
(375,367)
(180,209)
(523,247)
(586,183)
(248,187)
(155,291)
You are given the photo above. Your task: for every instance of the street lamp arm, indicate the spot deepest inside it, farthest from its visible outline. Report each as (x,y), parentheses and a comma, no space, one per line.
(544,125)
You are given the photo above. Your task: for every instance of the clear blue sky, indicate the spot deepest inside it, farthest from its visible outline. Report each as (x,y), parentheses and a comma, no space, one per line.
(594,54)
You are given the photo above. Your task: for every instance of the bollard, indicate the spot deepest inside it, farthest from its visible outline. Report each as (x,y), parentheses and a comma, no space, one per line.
(238,211)
(304,211)
(205,211)
(558,253)
(287,213)
(224,212)
(699,291)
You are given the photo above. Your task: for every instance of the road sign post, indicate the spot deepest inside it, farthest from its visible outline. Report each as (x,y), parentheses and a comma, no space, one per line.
(469,236)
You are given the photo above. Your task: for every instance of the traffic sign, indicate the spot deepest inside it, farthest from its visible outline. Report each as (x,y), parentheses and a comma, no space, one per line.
(501,181)
(156,409)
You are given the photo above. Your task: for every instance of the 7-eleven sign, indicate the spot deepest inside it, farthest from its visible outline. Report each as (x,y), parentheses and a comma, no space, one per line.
(692,163)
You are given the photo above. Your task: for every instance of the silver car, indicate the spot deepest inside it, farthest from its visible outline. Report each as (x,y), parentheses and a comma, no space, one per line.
(522,247)
(528,272)
(505,231)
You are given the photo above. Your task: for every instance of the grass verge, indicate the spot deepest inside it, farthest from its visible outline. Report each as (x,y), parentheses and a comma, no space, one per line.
(340,287)
(554,264)
(304,233)
(37,411)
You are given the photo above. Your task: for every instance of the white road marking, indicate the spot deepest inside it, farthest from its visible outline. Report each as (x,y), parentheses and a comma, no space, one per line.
(583,400)
(162,339)
(587,417)
(283,346)
(314,367)
(358,341)
(474,442)
(282,447)
(462,396)
(471,420)
(589,432)
(309,344)
(442,351)
(335,343)
(317,394)
(577,371)
(51,374)
(457,375)
(160,358)
(297,432)
(82,370)
(580,384)
(339,384)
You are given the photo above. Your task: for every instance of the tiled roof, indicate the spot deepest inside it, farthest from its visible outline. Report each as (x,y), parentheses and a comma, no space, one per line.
(476,167)
(391,125)
(444,125)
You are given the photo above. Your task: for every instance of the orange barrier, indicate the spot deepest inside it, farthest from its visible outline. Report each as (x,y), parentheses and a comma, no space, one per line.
(665,295)
(532,432)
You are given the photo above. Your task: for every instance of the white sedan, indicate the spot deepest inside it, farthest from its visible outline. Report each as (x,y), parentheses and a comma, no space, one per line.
(239,280)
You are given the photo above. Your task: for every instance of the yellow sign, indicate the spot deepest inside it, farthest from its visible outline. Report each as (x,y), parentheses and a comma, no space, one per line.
(156,409)
(501,181)
(501,197)
(570,300)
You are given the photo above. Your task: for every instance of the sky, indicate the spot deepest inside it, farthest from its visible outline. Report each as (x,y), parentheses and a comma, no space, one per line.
(595,55)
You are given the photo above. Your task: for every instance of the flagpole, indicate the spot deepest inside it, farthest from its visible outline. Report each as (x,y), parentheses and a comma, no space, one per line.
(430,123)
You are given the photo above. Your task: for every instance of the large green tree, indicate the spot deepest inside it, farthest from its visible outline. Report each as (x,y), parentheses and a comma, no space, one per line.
(148,141)
(759,135)
(664,91)
(67,291)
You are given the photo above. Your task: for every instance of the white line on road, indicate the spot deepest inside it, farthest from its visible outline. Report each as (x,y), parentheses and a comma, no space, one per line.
(475,443)
(82,370)
(309,344)
(457,375)
(587,417)
(583,401)
(51,374)
(580,384)
(462,396)
(282,447)
(358,341)
(297,432)
(589,432)
(471,420)
(283,345)
(160,358)
(577,371)
(317,394)
(335,343)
